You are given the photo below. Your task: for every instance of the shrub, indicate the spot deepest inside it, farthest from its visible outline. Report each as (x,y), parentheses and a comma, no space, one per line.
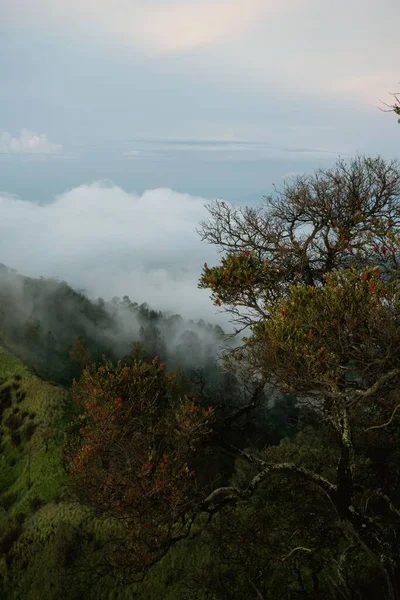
(5,398)
(20,518)
(35,503)
(20,396)
(15,438)
(9,538)
(5,392)
(14,422)
(29,430)
(8,500)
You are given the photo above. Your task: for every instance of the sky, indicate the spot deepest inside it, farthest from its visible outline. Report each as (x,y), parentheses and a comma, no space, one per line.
(111,109)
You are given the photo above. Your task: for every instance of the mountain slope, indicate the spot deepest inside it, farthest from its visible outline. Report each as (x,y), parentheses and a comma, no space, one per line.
(32,480)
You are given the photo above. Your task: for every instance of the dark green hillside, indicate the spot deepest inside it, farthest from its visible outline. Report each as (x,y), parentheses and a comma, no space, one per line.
(57,330)
(41,318)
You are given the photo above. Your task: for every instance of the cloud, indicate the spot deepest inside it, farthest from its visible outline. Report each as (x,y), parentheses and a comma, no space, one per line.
(28,142)
(228,150)
(154,26)
(132,154)
(110,242)
(180,25)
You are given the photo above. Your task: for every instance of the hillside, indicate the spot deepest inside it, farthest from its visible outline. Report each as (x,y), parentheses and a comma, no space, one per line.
(57,330)
(32,480)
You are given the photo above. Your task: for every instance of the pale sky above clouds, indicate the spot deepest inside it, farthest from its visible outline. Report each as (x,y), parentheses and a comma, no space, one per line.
(156,26)
(89,71)
(212,98)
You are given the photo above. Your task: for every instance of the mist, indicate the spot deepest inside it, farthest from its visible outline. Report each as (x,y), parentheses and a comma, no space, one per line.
(57,330)
(109,243)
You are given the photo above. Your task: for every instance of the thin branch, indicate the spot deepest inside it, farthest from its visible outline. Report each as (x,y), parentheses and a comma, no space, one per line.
(383,424)
(248,407)
(302,548)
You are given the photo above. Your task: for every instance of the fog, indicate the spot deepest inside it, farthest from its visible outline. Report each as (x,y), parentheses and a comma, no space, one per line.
(109,242)
(42,320)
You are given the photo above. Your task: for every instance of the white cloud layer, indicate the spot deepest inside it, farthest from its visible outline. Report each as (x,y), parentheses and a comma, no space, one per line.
(28,142)
(110,242)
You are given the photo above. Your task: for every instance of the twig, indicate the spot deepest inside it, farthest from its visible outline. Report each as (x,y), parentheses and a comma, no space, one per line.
(383,424)
(296,550)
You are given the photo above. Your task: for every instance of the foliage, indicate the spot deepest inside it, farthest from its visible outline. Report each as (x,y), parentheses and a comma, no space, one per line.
(131,457)
(318,341)
(336,218)
(318,269)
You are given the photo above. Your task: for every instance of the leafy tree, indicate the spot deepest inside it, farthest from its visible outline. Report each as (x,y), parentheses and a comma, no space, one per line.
(189,351)
(50,344)
(317,223)
(79,353)
(315,277)
(152,341)
(32,330)
(283,541)
(132,457)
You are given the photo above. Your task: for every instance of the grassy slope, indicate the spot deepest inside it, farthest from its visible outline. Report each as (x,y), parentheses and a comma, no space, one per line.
(37,472)
(32,481)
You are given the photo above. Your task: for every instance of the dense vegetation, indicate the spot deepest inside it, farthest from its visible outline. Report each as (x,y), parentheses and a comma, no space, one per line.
(163,473)
(57,330)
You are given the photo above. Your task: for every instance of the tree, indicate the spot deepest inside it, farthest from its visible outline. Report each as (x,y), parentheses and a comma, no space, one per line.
(32,330)
(317,223)
(189,350)
(345,362)
(317,273)
(132,456)
(50,344)
(395,107)
(79,353)
(152,341)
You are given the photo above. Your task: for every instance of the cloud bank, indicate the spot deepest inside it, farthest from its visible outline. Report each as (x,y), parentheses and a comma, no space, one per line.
(28,142)
(110,242)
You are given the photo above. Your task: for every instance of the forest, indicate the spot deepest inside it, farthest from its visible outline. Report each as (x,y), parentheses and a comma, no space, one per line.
(144,456)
